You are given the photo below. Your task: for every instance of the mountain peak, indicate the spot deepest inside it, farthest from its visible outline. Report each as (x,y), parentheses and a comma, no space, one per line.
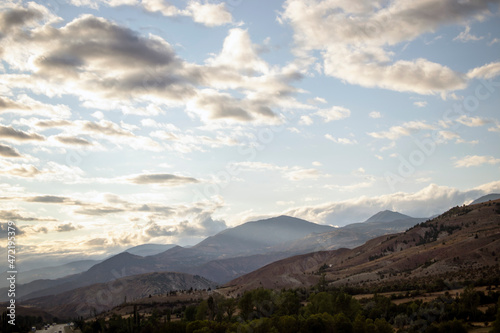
(387,216)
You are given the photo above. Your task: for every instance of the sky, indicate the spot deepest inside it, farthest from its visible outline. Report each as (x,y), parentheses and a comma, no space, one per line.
(125,122)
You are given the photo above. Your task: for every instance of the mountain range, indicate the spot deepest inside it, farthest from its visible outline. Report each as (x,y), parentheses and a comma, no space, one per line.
(461,244)
(276,252)
(226,255)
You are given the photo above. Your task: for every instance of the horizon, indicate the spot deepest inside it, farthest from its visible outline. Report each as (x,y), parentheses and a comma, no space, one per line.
(133,122)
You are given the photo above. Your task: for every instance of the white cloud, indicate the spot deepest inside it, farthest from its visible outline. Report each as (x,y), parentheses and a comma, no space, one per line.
(25,105)
(356,40)
(344,141)
(406,129)
(466,36)
(420,104)
(334,113)
(472,121)
(487,71)
(475,160)
(375,115)
(209,14)
(306,120)
(430,200)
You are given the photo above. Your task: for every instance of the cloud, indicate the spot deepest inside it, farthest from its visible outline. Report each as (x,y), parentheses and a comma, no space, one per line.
(343,141)
(90,58)
(48,199)
(466,36)
(14,215)
(71,140)
(209,14)
(5,228)
(406,129)
(356,40)
(375,115)
(293,173)
(67,227)
(472,121)
(334,113)
(162,179)
(26,105)
(9,152)
(10,133)
(420,104)
(475,160)
(487,71)
(19,170)
(206,13)
(306,120)
(430,200)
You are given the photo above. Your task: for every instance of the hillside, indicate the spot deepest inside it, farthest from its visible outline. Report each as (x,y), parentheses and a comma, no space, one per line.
(463,243)
(104,296)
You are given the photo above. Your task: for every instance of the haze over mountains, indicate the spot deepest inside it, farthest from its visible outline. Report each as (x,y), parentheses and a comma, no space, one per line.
(241,254)
(226,255)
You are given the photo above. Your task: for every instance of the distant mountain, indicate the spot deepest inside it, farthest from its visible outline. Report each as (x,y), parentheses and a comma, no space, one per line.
(53,272)
(387,216)
(104,296)
(486,198)
(255,237)
(208,256)
(461,244)
(121,265)
(145,250)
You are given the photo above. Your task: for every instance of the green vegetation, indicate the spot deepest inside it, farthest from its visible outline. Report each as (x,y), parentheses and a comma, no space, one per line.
(316,310)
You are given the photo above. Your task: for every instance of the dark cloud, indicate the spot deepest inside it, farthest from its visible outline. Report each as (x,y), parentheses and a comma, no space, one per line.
(6,103)
(71,140)
(99,211)
(53,123)
(67,227)
(106,128)
(91,41)
(162,179)
(48,199)
(8,132)
(26,171)
(13,215)
(96,242)
(6,151)
(4,229)
(18,17)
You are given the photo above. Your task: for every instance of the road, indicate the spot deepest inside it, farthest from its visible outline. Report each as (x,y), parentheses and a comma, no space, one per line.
(53,329)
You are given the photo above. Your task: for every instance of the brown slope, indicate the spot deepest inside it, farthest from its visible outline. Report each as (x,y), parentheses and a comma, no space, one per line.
(444,247)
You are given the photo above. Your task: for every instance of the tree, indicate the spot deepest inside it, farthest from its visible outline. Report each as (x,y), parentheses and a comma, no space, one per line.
(496,323)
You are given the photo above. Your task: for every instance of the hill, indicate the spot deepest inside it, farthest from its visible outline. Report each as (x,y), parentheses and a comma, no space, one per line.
(104,296)
(461,244)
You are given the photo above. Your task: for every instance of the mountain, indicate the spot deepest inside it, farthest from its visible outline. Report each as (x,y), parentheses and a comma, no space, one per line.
(486,198)
(254,237)
(387,216)
(352,235)
(53,272)
(461,244)
(246,240)
(123,264)
(104,296)
(145,250)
